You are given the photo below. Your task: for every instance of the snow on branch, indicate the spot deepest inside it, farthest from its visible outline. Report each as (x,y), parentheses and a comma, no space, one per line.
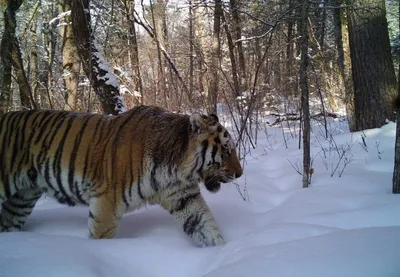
(96,68)
(59,17)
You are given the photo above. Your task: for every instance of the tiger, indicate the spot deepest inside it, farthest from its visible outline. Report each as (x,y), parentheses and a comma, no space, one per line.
(116,164)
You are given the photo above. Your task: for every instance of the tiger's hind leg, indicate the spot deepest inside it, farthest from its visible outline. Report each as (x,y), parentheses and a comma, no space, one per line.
(104,216)
(16,209)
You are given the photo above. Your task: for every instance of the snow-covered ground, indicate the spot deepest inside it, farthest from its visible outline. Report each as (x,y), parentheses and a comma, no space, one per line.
(340,226)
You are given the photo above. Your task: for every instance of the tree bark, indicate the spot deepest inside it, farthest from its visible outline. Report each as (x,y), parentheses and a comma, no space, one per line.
(70,59)
(6,50)
(103,81)
(231,47)
(373,73)
(34,65)
(191,49)
(396,170)
(158,18)
(343,61)
(133,49)
(304,60)
(26,97)
(234,5)
(215,59)
(202,51)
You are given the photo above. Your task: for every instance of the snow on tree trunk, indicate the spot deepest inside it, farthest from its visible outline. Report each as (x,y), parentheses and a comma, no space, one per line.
(96,68)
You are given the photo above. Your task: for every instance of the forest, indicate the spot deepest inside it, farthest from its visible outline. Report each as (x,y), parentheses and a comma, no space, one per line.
(296,59)
(308,89)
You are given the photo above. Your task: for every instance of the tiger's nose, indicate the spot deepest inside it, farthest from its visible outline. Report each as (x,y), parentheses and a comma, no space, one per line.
(238,174)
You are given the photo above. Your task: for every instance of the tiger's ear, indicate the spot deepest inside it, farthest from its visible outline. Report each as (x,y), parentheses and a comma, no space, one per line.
(214,117)
(197,123)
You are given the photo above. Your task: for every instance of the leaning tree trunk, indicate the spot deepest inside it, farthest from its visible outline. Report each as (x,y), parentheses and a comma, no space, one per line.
(103,81)
(374,78)
(25,92)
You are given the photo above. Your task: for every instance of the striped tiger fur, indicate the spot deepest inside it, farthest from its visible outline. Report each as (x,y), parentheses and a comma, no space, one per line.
(115,164)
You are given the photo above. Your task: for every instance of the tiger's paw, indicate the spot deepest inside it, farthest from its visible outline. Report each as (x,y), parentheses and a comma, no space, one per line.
(207,238)
(9,229)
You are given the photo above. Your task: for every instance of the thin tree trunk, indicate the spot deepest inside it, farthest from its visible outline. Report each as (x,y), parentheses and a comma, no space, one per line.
(52,55)
(374,78)
(231,48)
(34,66)
(134,49)
(303,41)
(234,5)
(103,81)
(202,51)
(215,59)
(158,16)
(291,84)
(396,170)
(191,50)
(25,91)
(70,59)
(6,50)
(344,60)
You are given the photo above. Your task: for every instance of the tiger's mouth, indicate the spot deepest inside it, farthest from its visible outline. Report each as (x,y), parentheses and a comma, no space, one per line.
(212,185)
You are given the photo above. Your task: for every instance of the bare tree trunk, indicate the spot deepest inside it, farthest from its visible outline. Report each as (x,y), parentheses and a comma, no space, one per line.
(25,91)
(231,47)
(234,5)
(374,78)
(158,18)
(191,50)
(103,81)
(215,59)
(70,59)
(203,52)
(344,60)
(133,49)
(34,66)
(11,57)
(291,85)
(303,41)
(330,85)
(51,53)
(396,170)
(6,50)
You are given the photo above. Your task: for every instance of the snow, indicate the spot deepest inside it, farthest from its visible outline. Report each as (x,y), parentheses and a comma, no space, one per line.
(108,78)
(339,226)
(59,17)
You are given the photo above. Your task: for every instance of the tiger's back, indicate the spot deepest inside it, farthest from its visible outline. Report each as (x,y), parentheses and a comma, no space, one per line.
(111,163)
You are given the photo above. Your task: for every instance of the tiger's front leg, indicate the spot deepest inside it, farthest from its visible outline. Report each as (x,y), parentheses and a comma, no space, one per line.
(104,217)
(191,211)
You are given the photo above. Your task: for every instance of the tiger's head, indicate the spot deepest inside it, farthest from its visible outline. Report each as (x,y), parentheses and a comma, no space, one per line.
(216,158)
